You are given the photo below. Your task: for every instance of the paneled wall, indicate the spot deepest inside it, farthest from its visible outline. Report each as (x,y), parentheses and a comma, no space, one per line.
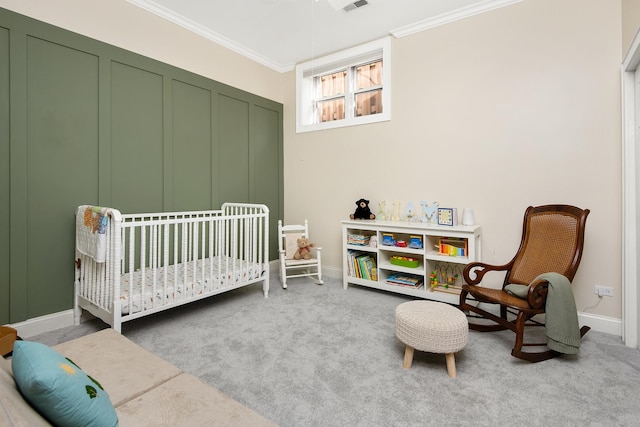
(83,122)
(4,175)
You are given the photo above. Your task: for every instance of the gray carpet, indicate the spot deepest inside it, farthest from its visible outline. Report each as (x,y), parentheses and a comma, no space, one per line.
(316,355)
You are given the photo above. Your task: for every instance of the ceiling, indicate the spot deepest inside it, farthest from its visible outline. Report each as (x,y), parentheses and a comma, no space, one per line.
(282,33)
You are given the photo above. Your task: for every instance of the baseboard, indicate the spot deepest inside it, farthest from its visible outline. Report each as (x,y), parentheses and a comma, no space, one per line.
(334,273)
(608,325)
(42,324)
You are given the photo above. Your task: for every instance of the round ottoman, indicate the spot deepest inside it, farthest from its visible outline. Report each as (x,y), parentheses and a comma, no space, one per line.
(434,327)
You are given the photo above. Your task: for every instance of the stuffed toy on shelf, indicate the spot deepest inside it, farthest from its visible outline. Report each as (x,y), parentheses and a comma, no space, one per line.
(362,211)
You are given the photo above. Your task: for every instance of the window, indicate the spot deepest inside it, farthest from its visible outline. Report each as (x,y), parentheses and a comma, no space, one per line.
(345,89)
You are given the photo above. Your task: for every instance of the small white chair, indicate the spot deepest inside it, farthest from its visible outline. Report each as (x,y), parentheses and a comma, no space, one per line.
(288,236)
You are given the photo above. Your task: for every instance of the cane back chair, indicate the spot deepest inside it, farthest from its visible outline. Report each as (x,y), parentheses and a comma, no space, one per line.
(552,241)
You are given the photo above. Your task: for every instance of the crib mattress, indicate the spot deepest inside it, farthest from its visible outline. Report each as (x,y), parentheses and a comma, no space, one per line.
(152,288)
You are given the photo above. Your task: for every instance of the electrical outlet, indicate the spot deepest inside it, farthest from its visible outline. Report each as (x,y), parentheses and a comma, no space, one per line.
(605,291)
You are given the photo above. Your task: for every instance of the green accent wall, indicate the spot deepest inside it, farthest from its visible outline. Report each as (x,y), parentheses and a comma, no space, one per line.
(233,147)
(192,151)
(4,176)
(84,122)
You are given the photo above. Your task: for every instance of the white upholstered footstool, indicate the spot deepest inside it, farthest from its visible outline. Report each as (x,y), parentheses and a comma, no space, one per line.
(434,327)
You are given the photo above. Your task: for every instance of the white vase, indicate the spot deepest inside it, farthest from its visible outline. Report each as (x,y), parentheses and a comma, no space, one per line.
(467,216)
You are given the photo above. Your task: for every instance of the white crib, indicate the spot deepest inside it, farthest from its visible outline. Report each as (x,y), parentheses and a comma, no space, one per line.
(146,263)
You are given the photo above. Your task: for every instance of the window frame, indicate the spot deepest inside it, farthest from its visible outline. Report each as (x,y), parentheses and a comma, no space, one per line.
(305,87)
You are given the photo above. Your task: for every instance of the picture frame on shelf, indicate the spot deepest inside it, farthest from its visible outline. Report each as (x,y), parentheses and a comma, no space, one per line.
(448,216)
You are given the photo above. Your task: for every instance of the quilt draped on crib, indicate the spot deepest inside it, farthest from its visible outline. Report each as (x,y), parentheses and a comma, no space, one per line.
(91,228)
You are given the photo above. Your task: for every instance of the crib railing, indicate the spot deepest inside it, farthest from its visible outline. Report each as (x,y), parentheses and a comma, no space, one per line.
(252,233)
(95,281)
(177,256)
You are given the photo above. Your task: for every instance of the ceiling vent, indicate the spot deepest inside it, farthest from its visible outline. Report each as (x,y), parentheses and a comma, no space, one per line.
(347,5)
(355,5)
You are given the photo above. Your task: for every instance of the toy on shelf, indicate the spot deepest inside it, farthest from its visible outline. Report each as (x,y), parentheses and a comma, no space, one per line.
(410,212)
(429,212)
(415,242)
(454,275)
(451,280)
(453,247)
(388,239)
(362,211)
(382,207)
(396,211)
(445,275)
(433,279)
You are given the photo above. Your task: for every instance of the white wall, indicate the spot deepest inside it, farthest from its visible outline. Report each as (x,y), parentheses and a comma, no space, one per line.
(515,107)
(630,22)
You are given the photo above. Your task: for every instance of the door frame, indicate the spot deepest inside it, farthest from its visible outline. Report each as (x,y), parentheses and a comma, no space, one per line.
(630,166)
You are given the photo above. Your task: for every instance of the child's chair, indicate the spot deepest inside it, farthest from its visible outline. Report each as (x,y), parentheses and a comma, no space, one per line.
(288,236)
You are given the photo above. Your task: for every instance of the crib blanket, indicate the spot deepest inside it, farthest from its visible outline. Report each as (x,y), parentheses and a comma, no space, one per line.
(144,290)
(91,229)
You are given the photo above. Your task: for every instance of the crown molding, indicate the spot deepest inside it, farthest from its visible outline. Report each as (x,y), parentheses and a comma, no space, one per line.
(196,28)
(445,18)
(456,15)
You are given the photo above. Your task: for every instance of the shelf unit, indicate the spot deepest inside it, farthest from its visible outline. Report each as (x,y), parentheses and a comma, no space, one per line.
(356,238)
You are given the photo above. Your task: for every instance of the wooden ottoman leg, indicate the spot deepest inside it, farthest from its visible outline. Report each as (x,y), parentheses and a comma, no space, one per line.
(408,357)
(451,365)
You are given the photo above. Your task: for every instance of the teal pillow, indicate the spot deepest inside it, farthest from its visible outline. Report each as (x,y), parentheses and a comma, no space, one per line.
(58,389)
(520,291)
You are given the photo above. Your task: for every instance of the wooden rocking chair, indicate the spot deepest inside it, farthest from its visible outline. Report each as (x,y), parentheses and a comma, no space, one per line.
(552,241)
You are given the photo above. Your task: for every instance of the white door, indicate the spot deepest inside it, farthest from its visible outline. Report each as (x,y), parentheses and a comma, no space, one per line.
(636,86)
(631,194)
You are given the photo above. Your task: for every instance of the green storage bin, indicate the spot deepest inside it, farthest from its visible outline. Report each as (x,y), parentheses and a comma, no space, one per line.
(404,261)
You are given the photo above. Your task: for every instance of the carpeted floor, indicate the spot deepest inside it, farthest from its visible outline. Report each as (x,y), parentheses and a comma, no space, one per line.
(317,355)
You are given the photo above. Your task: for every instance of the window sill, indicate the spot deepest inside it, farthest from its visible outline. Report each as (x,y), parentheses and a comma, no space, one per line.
(375,118)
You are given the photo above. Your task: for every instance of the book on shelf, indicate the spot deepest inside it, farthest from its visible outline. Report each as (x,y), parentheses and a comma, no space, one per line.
(372,271)
(361,265)
(408,280)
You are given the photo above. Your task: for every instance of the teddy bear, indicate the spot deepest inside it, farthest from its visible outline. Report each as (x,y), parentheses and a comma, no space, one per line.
(362,211)
(304,249)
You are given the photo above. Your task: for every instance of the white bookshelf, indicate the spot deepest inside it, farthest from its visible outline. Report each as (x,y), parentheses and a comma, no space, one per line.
(428,257)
